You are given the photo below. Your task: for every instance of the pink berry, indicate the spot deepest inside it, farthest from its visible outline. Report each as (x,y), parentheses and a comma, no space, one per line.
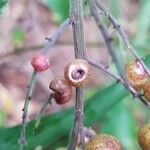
(40,62)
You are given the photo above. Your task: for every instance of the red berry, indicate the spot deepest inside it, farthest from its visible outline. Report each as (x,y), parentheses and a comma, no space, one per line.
(40,62)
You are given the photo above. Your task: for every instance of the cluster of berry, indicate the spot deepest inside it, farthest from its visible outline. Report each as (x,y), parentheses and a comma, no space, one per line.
(76,74)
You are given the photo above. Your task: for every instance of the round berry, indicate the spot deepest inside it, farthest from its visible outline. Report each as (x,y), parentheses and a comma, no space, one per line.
(144,137)
(40,62)
(136,74)
(76,73)
(103,142)
(62,91)
(146,90)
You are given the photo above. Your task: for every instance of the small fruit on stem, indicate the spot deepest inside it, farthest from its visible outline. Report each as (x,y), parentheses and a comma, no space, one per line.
(103,142)
(136,74)
(144,137)
(62,91)
(76,73)
(40,62)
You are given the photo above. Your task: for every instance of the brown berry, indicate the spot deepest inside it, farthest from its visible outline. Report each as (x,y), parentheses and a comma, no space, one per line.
(146,90)
(144,137)
(103,142)
(136,74)
(76,73)
(62,91)
(40,62)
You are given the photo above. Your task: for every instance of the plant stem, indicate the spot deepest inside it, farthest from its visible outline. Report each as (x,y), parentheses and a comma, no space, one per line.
(109,46)
(39,116)
(117,26)
(76,12)
(30,86)
(46,49)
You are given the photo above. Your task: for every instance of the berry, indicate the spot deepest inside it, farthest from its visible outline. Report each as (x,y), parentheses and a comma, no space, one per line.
(144,137)
(146,91)
(103,142)
(40,62)
(76,73)
(62,91)
(136,74)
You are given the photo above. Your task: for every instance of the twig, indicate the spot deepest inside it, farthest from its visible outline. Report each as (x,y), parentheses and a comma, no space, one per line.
(117,26)
(54,37)
(108,43)
(22,140)
(40,114)
(76,12)
(118,79)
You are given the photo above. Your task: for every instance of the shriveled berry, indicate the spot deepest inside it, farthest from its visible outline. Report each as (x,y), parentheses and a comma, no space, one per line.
(62,91)
(144,137)
(40,62)
(136,74)
(76,73)
(103,142)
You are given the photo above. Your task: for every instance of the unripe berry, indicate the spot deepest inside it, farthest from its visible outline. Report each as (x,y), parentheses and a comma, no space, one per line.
(103,142)
(40,62)
(144,137)
(62,91)
(136,74)
(76,73)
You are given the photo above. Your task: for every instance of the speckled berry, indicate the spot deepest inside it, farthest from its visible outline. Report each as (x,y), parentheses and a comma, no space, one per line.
(103,142)
(136,74)
(62,91)
(76,73)
(144,137)
(40,62)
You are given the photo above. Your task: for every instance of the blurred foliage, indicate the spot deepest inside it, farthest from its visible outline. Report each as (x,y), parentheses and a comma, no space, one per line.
(17,36)
(56,126)
(59,7)
(2,4)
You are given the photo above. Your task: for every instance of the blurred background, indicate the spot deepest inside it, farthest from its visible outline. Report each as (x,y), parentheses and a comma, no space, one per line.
(24,24)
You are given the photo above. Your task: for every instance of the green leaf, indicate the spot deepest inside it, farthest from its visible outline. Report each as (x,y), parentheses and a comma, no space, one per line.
(2,4)
(60,8)
(147,60)
(120,122)
(58,125)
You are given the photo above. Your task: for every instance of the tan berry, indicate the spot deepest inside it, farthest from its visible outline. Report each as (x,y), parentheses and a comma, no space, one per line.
(76,73)
(62,91)
(146,90)
(40,62)
(103,142)
(136,74)
(144,137)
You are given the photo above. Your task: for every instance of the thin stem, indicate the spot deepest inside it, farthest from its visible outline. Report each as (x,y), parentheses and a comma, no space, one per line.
(52,40)
(30,86)
(109,46)
(48,46)
(106,37)
(76,12)
(40,114)
(117,26)
(118,79)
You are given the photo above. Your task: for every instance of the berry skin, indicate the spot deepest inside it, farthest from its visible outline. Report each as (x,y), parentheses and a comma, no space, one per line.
(103,142)
(62,91)
(144,137)
(76,73)
(146,91)
(40,62)
(136,74)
